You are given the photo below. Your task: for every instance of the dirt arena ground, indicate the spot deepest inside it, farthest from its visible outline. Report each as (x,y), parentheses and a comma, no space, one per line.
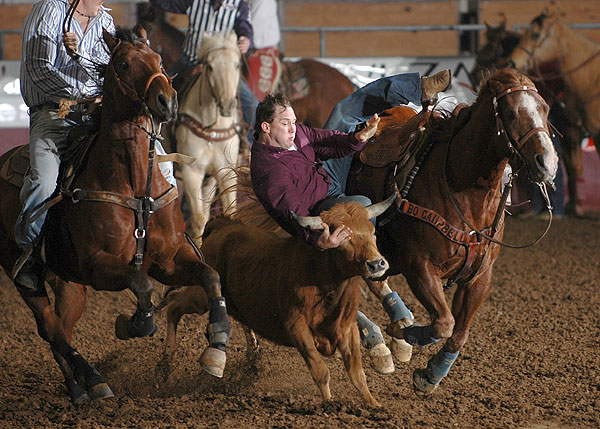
(532,360)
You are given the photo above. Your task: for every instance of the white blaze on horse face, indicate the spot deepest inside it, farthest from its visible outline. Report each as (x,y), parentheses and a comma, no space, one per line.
(530,104)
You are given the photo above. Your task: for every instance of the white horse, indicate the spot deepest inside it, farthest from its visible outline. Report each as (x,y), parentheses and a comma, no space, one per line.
(206,129)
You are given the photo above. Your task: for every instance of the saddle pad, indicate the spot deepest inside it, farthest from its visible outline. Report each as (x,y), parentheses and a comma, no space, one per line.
(264,71)
(15,166)
(294,82)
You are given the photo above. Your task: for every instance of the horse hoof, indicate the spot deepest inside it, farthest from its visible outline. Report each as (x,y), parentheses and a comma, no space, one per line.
(213,361)
(421,383)
(100,391)
(401,350)
(381,359)
(122,327)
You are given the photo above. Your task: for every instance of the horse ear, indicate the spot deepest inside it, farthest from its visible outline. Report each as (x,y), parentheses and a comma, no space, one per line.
(141,32)
(109,39)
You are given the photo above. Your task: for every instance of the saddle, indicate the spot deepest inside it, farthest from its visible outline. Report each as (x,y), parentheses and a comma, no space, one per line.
(16,164)
(390,155)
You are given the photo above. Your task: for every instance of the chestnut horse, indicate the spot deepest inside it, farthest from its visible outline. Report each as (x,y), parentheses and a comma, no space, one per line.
(451,220)
(206,129)
(495,54)
(326,85)
(119,226)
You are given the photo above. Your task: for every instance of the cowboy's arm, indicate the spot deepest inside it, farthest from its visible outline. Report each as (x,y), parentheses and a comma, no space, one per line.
(41,48)
(243,28)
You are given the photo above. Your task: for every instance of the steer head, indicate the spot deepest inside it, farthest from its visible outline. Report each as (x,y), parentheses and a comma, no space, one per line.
(359,254)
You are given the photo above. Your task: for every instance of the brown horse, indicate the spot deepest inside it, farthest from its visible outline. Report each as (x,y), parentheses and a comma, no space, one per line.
(120,226)
(326,85)
(496,54)
(451,219)
(577,58)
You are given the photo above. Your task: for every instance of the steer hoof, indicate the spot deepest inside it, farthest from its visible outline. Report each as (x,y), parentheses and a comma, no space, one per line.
(421,383)
(401,350)
(213,361)
(381,359)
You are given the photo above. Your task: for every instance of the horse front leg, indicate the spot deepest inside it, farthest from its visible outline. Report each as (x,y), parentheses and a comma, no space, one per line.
(350,350)
(227,181)
(467,300)
(187,269)
(193,180)
(105,271)
(427,287)
(398,313)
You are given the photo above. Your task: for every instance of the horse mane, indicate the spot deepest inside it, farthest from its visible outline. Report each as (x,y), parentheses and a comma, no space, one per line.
(214,41)
(443,127)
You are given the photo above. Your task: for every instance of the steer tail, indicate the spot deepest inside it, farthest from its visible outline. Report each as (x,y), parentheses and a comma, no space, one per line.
(164,297)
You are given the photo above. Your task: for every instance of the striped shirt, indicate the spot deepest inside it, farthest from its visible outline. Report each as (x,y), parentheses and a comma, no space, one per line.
(211,16)
(48,73)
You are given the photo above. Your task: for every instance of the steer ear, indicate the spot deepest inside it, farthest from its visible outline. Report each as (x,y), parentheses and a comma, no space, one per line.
(312,222)
(375,210)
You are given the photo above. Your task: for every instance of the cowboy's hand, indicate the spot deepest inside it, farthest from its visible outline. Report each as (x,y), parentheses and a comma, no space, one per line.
(369,130)
(333,240)
(70,42)
(244,44)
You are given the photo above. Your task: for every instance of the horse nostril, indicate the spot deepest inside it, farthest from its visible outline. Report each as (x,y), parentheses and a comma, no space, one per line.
(162,101)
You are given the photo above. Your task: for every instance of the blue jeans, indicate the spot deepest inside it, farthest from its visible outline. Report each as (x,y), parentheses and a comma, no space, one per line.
(360,106)
(47,143)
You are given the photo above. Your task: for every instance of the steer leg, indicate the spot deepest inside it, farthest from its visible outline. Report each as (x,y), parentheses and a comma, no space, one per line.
(350,350)
(305,343)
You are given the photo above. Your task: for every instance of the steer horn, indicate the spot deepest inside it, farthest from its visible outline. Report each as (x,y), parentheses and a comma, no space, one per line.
(375,210)
(313,222)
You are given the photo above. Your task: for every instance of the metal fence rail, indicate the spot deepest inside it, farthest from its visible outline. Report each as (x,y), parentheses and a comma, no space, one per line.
(324,30)
(457,27)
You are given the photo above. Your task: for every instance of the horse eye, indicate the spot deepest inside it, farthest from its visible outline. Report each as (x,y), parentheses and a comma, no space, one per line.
(124,66)
(535,36)
(510,115)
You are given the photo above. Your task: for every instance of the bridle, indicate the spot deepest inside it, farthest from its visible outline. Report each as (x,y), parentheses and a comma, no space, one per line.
(129,90)
(207,132)
(515,146)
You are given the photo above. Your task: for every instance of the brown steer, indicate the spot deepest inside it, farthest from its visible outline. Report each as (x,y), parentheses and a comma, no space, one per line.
(291,293)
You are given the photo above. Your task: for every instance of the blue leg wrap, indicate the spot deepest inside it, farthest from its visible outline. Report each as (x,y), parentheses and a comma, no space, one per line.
(370,333)
(395,308)
(419,335)
(439,365)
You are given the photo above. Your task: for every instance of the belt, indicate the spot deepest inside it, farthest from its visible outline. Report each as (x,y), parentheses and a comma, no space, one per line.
(45,106)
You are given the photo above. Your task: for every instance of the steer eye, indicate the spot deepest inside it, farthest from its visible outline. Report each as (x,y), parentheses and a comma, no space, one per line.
(535,36)
(124,66)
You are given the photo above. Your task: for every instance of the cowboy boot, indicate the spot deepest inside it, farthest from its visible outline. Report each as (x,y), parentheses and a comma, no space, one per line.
(434,84)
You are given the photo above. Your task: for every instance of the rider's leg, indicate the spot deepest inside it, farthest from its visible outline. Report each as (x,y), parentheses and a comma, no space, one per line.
(249,102)
(48,139)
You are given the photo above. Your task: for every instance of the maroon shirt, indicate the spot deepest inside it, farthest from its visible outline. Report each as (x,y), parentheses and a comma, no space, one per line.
(290,180)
